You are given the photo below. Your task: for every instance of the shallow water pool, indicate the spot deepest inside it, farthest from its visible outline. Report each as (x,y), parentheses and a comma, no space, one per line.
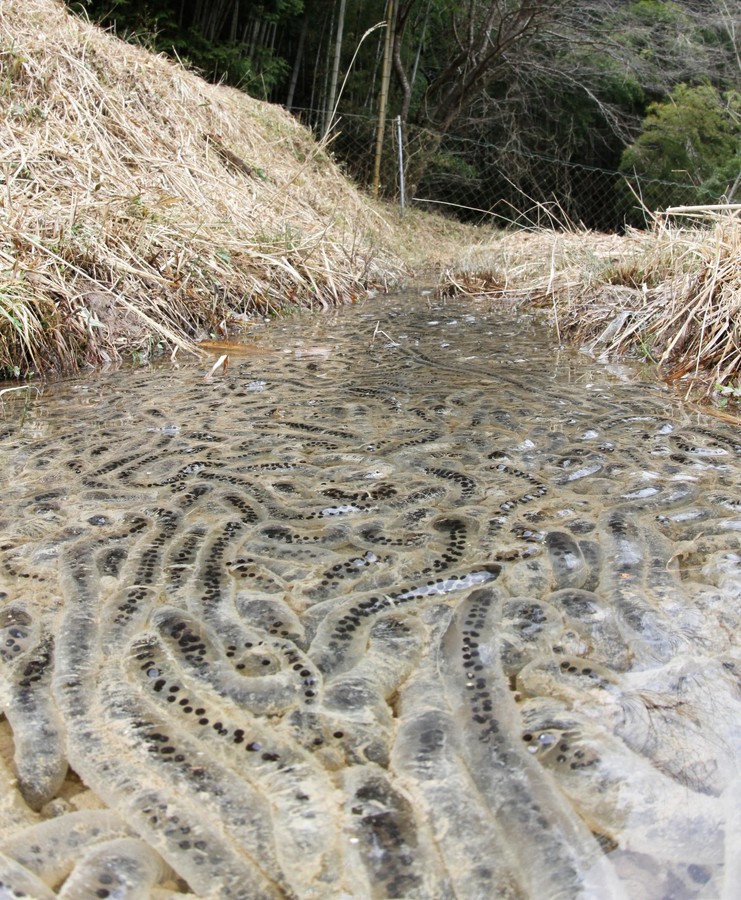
(406,603)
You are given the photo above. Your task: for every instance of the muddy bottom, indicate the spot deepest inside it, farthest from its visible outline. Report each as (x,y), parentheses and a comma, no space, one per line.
(407,603)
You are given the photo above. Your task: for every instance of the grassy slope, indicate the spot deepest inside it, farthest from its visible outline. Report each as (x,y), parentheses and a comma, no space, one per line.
(141,206)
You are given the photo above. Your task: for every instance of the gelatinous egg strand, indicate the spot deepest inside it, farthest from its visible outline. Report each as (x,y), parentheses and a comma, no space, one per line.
(451,615)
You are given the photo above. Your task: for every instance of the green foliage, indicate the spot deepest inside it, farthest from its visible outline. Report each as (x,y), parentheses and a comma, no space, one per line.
(692,138)
(205,42)
(726,392)
(218,61)
(454,165)
(655,11)
(280,10)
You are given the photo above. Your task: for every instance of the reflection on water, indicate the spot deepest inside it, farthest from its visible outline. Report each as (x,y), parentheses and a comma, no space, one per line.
(410,604)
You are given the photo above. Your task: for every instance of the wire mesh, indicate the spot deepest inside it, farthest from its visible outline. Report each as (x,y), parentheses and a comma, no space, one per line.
(474,180)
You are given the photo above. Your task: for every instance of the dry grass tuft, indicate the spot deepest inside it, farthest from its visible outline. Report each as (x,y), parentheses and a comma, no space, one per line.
(672,295)
(678,302)
(532,264)
(429,241)
(141,207)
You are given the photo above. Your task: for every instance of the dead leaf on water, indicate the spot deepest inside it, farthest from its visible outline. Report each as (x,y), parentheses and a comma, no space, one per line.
(235,348)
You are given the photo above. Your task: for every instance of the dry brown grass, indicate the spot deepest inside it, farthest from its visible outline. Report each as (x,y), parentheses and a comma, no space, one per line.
(142,207)
(678,302)
(671,295)
(531,264)
(429,242)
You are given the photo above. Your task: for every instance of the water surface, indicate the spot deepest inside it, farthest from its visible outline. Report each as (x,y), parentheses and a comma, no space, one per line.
(408,602)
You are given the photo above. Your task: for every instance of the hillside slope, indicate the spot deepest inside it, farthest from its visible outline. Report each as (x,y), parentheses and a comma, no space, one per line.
(141,206)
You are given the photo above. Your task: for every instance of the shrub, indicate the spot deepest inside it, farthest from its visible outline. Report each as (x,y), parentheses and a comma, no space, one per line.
(693,139)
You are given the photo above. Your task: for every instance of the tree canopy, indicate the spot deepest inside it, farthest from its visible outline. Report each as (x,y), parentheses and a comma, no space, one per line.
(693,136)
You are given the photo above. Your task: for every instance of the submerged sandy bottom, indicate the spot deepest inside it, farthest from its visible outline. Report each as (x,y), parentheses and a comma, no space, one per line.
(409,605)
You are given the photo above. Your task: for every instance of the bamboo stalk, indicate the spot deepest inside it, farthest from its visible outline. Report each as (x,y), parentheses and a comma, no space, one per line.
(383,99)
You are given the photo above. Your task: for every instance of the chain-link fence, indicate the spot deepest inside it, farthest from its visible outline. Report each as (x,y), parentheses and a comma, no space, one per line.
(475,180)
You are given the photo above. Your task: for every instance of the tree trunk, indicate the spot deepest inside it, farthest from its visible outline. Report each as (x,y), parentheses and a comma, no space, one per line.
(401,19)
(385,79)
(235,22)
(314,103)
(298,59)
(418,54)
